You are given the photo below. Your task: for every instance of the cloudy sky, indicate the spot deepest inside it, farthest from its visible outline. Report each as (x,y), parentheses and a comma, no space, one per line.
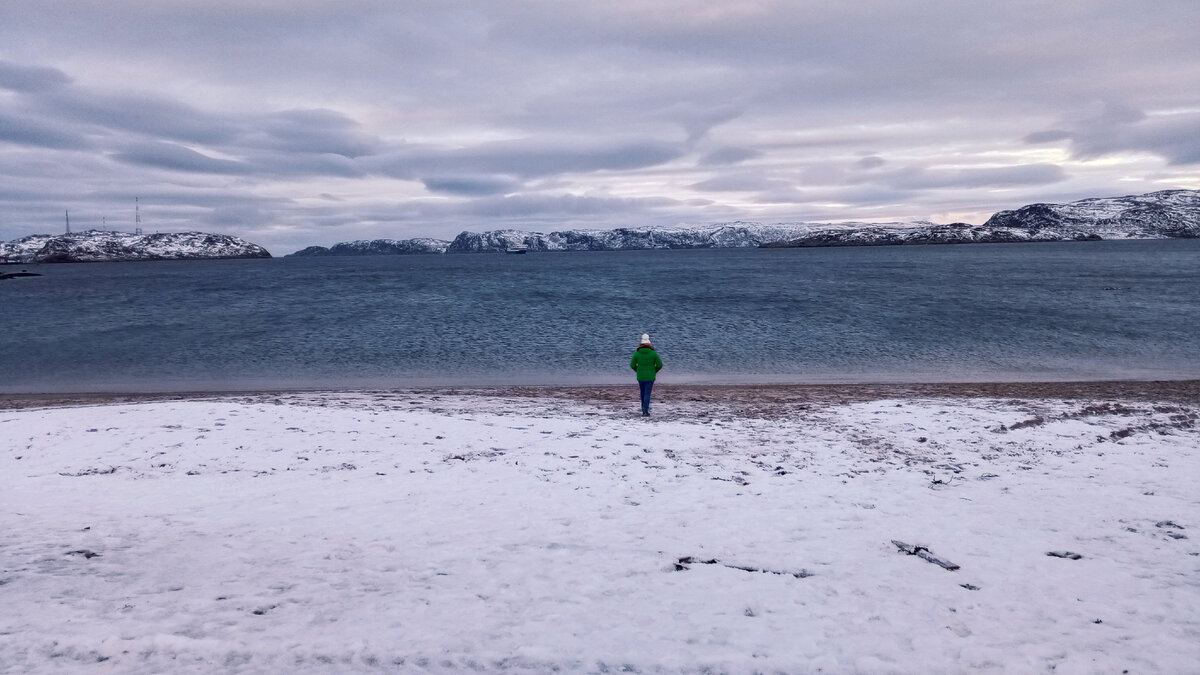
(312,122)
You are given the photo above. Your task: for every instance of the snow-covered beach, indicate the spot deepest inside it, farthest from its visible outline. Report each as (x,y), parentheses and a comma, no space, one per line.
(737,530)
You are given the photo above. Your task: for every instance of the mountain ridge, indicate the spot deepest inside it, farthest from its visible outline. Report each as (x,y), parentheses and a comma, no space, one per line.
(1155,215)
(110,246)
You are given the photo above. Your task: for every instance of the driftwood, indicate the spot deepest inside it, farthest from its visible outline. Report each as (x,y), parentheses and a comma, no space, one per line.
(924,554)
(685,561)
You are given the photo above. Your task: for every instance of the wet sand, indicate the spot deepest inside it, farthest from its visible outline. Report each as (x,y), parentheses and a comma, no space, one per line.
(767,400)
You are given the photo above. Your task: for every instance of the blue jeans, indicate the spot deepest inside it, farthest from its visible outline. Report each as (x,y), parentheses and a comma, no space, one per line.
(645,388)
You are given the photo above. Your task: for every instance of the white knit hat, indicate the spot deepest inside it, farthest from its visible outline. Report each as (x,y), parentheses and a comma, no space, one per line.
(645,338)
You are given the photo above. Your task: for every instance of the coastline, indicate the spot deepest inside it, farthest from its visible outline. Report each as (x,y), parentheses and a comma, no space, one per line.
(776,398)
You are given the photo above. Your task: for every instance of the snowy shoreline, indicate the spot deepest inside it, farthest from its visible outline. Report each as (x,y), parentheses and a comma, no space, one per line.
(768,396)
(739,529)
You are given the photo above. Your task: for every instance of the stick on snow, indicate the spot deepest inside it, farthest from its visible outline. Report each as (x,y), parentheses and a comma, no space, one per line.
(924,554)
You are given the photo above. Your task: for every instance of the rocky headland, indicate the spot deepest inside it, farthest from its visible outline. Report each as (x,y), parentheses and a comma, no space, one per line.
(109,246)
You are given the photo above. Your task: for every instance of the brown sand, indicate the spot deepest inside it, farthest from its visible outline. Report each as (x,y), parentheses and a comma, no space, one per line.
(747,398)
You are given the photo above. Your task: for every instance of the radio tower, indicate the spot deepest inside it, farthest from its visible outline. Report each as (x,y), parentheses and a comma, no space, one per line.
(68,221)
(137,216)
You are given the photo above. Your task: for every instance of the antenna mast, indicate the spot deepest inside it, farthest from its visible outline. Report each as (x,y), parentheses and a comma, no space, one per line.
(68,221)
(137,216)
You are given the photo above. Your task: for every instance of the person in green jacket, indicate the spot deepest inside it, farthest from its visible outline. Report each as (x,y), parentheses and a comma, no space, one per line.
(646,364)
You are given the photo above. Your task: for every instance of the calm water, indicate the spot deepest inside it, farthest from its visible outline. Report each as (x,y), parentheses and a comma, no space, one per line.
(981,312)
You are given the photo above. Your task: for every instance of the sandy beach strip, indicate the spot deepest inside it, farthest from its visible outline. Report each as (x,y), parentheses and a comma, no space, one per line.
(1008,528)
(768,398)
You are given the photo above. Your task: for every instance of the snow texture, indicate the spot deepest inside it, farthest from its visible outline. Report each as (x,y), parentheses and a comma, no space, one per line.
(426,532)
(109,246)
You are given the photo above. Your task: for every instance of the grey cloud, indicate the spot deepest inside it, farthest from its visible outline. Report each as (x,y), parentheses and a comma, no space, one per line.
(781,195)
(698,120)
(1048,136)
(729,155)
(740,182)
(870,162)
(871,195)
(1115,113)
(20,78)
(150,116)
(529,158)
(1009,176)
(560,206)
(1175,137)
(824,173)
(471,185)
(178,158)
(267,165)
(313,131)
(1121,128)
(23,131)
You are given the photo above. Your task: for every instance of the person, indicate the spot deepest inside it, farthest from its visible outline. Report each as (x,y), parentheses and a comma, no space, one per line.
(646,364)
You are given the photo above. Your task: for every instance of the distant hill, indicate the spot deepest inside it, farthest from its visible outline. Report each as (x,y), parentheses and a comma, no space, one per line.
(1158,215)
(1167,214)
(107,246)
(730,235)
(376,247)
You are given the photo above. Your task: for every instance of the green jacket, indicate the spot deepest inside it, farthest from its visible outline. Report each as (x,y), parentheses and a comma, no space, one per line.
(646,362)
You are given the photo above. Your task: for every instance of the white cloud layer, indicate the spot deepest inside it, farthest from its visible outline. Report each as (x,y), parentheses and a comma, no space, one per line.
(304,123)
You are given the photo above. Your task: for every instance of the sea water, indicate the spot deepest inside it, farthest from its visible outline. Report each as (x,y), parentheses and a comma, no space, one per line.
(1053,311)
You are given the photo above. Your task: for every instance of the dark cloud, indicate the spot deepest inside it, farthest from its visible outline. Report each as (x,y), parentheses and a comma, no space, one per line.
(26,131)
(471,185)
(1174,137)
(178,158)
(312,131)
(1119,128)
(147,115)
(268,165)
(529,158)
(22,78)
(729,155)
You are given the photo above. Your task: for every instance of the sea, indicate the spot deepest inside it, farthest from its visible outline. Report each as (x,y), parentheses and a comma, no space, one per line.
(986,312)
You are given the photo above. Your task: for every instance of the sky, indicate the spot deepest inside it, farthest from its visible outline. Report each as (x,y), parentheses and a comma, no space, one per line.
(310,122)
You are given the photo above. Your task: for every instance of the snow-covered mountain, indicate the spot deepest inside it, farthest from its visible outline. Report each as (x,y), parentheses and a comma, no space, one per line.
(1158,215)
(376,247)
(106,246)
(924,233)
(729,235)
